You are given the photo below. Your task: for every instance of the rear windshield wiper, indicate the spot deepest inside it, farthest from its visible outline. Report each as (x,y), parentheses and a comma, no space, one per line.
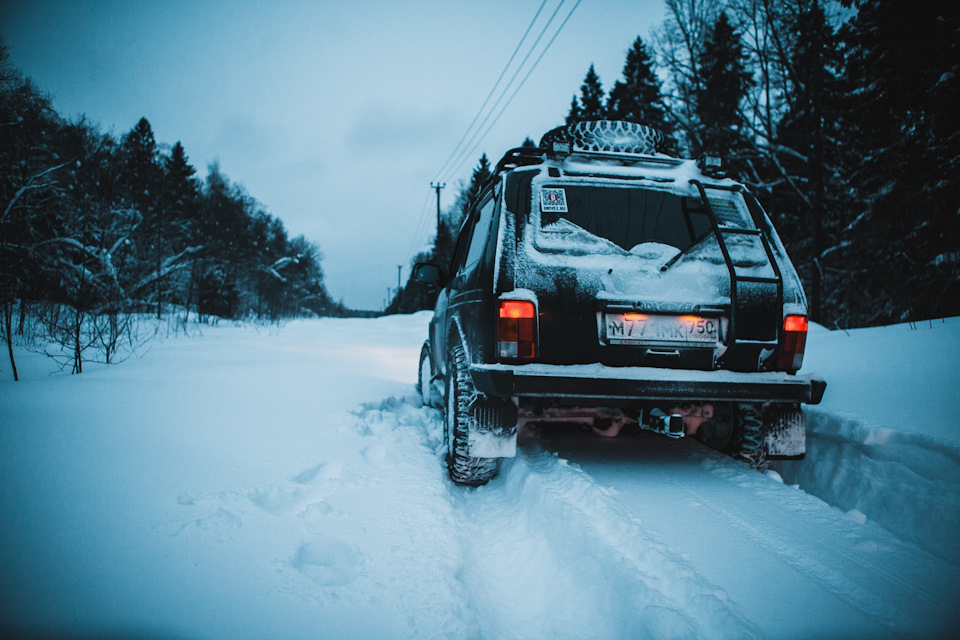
(673,260)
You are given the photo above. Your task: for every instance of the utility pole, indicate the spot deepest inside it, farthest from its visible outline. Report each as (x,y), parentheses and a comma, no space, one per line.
(438,186)
(399,271)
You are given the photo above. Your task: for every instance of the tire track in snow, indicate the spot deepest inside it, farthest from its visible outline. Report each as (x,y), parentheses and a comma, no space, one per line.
(541,538)
(815,561)
(366,533)
(776,534)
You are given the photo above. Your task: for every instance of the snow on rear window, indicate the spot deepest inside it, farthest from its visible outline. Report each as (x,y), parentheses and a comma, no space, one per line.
(604,219)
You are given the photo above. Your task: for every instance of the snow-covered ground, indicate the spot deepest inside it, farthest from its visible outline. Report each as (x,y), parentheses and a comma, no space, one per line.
(252,482)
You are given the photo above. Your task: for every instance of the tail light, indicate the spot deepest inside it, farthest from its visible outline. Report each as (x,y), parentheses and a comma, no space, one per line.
(516,330)
(793,343)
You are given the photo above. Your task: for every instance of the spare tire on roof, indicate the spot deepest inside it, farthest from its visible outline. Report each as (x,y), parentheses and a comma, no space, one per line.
(605,136)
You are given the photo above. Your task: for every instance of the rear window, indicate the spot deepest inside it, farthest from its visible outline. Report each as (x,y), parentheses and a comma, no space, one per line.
(622,216)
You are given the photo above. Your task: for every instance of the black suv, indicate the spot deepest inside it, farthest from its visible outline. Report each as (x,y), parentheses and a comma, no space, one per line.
(596,279)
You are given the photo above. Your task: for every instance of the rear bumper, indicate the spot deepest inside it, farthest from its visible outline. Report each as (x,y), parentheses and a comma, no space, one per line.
(597,384)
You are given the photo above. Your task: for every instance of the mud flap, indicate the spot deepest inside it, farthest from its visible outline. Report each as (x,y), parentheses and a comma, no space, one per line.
(493,428)
(786,431)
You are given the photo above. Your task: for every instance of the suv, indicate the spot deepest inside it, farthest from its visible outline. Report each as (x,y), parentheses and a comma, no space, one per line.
(596,279)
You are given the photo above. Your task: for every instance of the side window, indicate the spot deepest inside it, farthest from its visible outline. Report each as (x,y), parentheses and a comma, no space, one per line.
(460,250)
(481,231)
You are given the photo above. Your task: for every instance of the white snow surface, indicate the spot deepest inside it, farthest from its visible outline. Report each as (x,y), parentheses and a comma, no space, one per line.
(246,482)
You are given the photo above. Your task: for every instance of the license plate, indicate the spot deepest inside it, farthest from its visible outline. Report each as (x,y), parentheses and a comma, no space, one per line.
(648,329)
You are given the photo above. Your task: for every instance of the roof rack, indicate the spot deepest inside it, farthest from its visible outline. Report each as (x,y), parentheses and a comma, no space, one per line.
(520,157)
(627,158)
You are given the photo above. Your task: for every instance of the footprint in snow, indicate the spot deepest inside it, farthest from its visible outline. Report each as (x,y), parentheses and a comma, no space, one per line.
(218,526)
(329,470)
(329,562)
(295,496)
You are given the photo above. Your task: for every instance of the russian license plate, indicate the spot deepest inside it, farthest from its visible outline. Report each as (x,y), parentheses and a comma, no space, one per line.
(649,329)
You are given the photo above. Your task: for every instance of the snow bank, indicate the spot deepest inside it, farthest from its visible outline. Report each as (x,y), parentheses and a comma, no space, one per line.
(885,441)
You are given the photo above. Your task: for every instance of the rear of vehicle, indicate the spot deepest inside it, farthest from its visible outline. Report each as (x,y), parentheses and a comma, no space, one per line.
(616,287)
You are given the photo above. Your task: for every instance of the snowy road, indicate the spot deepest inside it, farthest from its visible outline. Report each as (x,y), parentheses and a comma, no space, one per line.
(287,484)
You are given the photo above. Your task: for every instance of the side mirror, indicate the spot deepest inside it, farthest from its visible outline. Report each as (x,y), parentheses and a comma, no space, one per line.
(427,273)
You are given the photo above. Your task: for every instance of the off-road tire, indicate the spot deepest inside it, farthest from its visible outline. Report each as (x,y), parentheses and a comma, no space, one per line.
(463,469)
(607,136)
(425,377)
(742,446)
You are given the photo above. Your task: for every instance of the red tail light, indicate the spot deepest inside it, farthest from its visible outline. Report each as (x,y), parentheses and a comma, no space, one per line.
(516,330)
(793,343)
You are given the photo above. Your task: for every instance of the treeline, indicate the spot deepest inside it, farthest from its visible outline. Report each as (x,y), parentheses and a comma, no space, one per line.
(842,123)
(95,230)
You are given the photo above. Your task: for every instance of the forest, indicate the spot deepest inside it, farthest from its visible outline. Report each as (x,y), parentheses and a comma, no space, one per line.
(96,231)
(839,116)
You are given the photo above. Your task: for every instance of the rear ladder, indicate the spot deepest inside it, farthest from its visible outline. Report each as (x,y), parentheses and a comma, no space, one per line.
(750,316)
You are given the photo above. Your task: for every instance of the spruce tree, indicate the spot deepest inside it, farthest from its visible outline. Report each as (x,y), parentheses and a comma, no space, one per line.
(903,61)
(811,129)
(590,105)
(141,170)
(481,174)
(180,201)
(142,178)
(637,97)
(573,115)
(591,97)
(724,83)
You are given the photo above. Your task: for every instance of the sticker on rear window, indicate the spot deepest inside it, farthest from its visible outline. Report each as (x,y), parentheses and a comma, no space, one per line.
(553,200)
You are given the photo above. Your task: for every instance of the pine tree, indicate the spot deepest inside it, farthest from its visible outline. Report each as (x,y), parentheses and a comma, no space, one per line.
(180,202)
(141,169)
(637,97)
(811,130)
(590,105)
(142,179)
(903,58)
(573,115)
(591,97)
(481,174)
(724,83)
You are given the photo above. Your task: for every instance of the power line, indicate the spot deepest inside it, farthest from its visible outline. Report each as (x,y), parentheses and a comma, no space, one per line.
(421,223)
(494,87)
(460,152)
(421,226)
(517,90)
(466,154)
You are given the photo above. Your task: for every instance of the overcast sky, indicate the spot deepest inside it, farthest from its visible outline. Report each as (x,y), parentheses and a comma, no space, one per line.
(335,115)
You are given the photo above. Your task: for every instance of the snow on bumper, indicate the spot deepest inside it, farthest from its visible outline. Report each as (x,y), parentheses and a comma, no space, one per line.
(595,383)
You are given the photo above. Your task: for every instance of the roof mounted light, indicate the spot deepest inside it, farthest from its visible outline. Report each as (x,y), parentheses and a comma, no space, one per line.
(559,149)
(711,166)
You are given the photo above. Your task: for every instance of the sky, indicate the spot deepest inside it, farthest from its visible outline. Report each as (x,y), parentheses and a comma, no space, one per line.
(337,116)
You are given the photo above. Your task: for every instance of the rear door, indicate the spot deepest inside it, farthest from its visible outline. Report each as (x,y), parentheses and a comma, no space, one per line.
(462,297)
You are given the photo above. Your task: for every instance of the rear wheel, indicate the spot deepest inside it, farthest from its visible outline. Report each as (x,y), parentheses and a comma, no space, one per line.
(463,468)
(747,440)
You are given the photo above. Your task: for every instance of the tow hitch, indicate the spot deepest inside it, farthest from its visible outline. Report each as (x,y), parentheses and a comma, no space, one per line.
(660,422)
